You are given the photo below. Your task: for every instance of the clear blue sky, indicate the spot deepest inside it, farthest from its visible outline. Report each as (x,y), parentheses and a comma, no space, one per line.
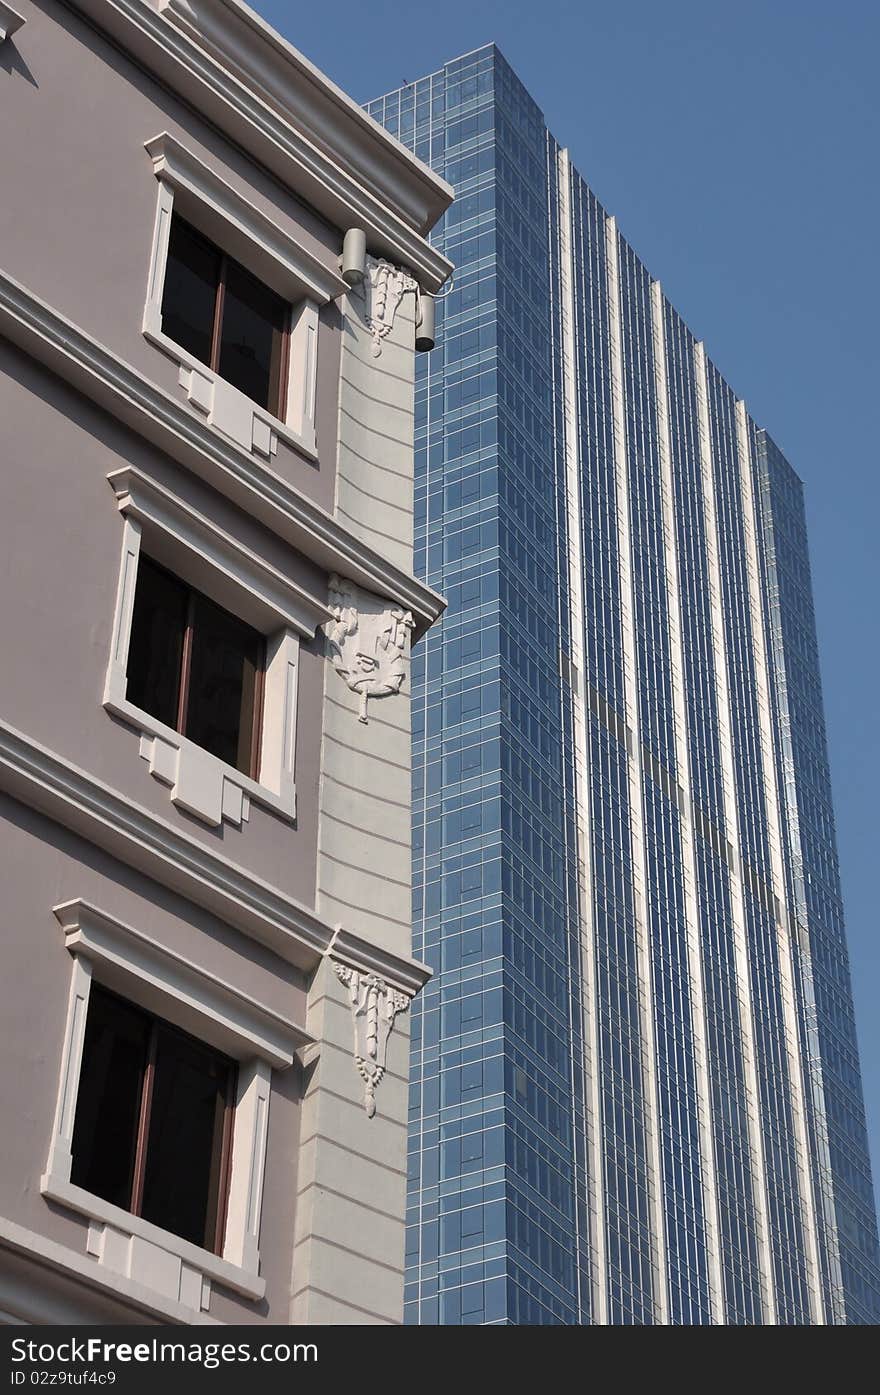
(738,146)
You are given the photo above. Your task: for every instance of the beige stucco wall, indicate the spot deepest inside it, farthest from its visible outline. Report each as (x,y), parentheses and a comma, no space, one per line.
(59,568)
(374,481)
(76,229)
(364,878)
(87,111)
(348,1257)
(348,1260)
(44,866)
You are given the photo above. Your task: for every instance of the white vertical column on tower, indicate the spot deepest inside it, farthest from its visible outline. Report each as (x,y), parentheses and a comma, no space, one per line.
(574,530)
(835,1304)
(774,826)
(683,776)
(731,818)
(634,767)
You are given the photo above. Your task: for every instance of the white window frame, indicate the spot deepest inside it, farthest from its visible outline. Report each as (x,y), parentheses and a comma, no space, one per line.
(10,21)
(239,228)
(211,560)
(164,983)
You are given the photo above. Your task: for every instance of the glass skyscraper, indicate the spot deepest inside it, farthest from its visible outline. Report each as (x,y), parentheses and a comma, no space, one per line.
(635,1092)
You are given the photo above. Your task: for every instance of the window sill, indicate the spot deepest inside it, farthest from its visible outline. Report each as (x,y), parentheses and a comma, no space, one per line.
(201,783)
(250,426)
(178,1264)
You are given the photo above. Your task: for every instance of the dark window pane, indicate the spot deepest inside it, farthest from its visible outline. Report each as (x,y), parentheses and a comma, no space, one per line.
(251,337)
(156,646)
(182,1179)
(191,280)
(226,655)
(108,1105)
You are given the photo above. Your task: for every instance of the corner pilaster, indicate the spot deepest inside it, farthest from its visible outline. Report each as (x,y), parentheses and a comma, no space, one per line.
(349,1243)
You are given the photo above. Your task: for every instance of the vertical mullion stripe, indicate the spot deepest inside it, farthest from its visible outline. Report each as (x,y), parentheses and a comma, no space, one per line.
(683,774)
(731,818)
(634,769)
(832,1282)
(186,663)
(774,832)
(225,1160)
(574,510)
(217,329)
(140,1156)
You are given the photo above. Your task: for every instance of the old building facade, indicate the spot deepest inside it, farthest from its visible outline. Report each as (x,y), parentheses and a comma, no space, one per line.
(208,603)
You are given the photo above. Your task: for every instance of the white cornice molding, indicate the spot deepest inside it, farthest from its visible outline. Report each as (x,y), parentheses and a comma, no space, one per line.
(10,21)
(237,72)
(72,797)
(277,257)
(407,974)
(227,1018)
(145,408)
(152,505)
(55,787)
(243,43)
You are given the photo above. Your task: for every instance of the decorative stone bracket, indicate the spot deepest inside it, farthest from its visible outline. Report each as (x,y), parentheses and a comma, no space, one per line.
(383,288)
(374,1006)
(369,642)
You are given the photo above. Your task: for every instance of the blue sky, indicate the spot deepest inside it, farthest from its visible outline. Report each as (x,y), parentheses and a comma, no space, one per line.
(737,145)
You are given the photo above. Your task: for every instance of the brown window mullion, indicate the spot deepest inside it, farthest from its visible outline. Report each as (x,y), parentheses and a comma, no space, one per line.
(186,664)
(225,1163)
(140,1156)
(257,727)
(218,315)
(285,333)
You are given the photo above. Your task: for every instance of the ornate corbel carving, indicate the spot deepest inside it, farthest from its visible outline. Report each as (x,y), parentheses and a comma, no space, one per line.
(374,1006)
(383,288)
(369,642)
